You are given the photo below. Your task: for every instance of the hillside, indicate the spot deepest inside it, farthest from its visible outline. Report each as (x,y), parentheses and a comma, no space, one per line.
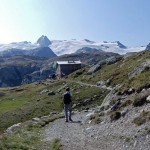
(22,69)
(17,70)
(111,109)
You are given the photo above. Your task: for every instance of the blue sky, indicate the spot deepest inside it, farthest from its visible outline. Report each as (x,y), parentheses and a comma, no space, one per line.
(126,21)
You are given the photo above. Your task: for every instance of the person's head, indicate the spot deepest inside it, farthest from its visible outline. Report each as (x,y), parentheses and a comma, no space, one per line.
(67,89)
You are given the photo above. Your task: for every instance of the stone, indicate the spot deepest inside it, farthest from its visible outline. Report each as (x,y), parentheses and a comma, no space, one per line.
(13,128)
(100,83)
(74,105)
(96,67)
(145,66)
(130,91)
(115,106)
(90,114)
(51,93)
(135,143)
(44,91)
(124,112)
(148,99)
(36,119)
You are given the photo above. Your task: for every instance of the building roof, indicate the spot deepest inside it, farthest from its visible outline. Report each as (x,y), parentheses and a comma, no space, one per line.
(68,62)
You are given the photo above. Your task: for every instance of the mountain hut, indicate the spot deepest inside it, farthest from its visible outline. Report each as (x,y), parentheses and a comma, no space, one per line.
(64,68)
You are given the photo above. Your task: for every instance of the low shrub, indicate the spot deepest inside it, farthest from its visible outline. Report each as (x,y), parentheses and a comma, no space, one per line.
(95,118)
(2,94)
(140,99)
(115,115)
(139,121)
(126,103)
(142,118)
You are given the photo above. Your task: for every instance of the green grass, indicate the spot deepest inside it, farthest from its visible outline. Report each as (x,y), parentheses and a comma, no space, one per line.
(22,103)
(118,73)
(26,138)
(30,136)
(56,144)
(25,102)
(6,105)
(81,93)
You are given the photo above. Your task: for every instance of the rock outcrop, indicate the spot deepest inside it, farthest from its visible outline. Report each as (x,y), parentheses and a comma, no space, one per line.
(145,66)
(148,47)
(88,50)
(17,70)
(108,61)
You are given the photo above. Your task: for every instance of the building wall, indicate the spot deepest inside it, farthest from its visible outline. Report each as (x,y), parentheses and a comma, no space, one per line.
(66,69)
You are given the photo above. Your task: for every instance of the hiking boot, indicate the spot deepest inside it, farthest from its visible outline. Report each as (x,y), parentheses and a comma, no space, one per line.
(70,120)
(66,120)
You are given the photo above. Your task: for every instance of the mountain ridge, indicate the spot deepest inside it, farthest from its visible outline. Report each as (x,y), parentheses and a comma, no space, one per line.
(61,47)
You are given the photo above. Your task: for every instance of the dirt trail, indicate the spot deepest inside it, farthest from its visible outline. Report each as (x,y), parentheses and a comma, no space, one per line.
(118,135)
(76,136)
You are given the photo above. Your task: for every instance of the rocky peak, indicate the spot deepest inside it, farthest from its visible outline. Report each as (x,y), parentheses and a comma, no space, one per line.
(120,45)
(88,50)
(43,41)
(148,47)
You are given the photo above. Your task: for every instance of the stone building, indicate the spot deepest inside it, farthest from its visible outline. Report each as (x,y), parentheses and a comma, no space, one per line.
(64,68)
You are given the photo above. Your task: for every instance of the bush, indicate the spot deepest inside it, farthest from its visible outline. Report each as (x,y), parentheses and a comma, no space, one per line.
(140,99)
(2,94)
(142,118)
(115,115)
(95,118)
(147,130)
(126,103)
(139,121)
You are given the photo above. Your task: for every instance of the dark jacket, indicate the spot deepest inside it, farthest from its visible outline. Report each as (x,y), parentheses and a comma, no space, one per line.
(67,98)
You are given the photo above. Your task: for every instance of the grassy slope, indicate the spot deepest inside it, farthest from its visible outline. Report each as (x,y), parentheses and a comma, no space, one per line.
(25,102)
(19,104)
(118,72)
(22,103)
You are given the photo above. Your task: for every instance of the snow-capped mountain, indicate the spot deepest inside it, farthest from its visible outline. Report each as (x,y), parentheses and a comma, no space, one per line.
(60,47)
(70,46)
(19,45)
(148,47)
(43,41)
(87,50)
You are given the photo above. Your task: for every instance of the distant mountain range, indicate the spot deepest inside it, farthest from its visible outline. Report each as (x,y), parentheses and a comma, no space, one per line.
(50,48)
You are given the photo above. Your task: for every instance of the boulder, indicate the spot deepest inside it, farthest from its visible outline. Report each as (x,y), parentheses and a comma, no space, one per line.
(148,99)
(108,61)
(124,112)
(36,119)
(145,66)
(44,91)
(100,83)
(96,67)
(13,128)
(113,59)
(51,93)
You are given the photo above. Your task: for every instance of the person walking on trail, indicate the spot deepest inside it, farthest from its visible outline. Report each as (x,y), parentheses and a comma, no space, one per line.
(67,104)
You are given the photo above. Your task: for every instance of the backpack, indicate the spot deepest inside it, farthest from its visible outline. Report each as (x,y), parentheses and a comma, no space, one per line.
(67,98)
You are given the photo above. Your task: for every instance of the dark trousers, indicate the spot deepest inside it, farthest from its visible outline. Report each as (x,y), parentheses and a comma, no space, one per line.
(67,109)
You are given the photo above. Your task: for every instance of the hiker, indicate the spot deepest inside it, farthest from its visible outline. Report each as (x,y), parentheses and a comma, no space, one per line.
(67,104)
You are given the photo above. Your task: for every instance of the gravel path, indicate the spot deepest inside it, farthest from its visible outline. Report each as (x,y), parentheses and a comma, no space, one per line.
(119,135)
